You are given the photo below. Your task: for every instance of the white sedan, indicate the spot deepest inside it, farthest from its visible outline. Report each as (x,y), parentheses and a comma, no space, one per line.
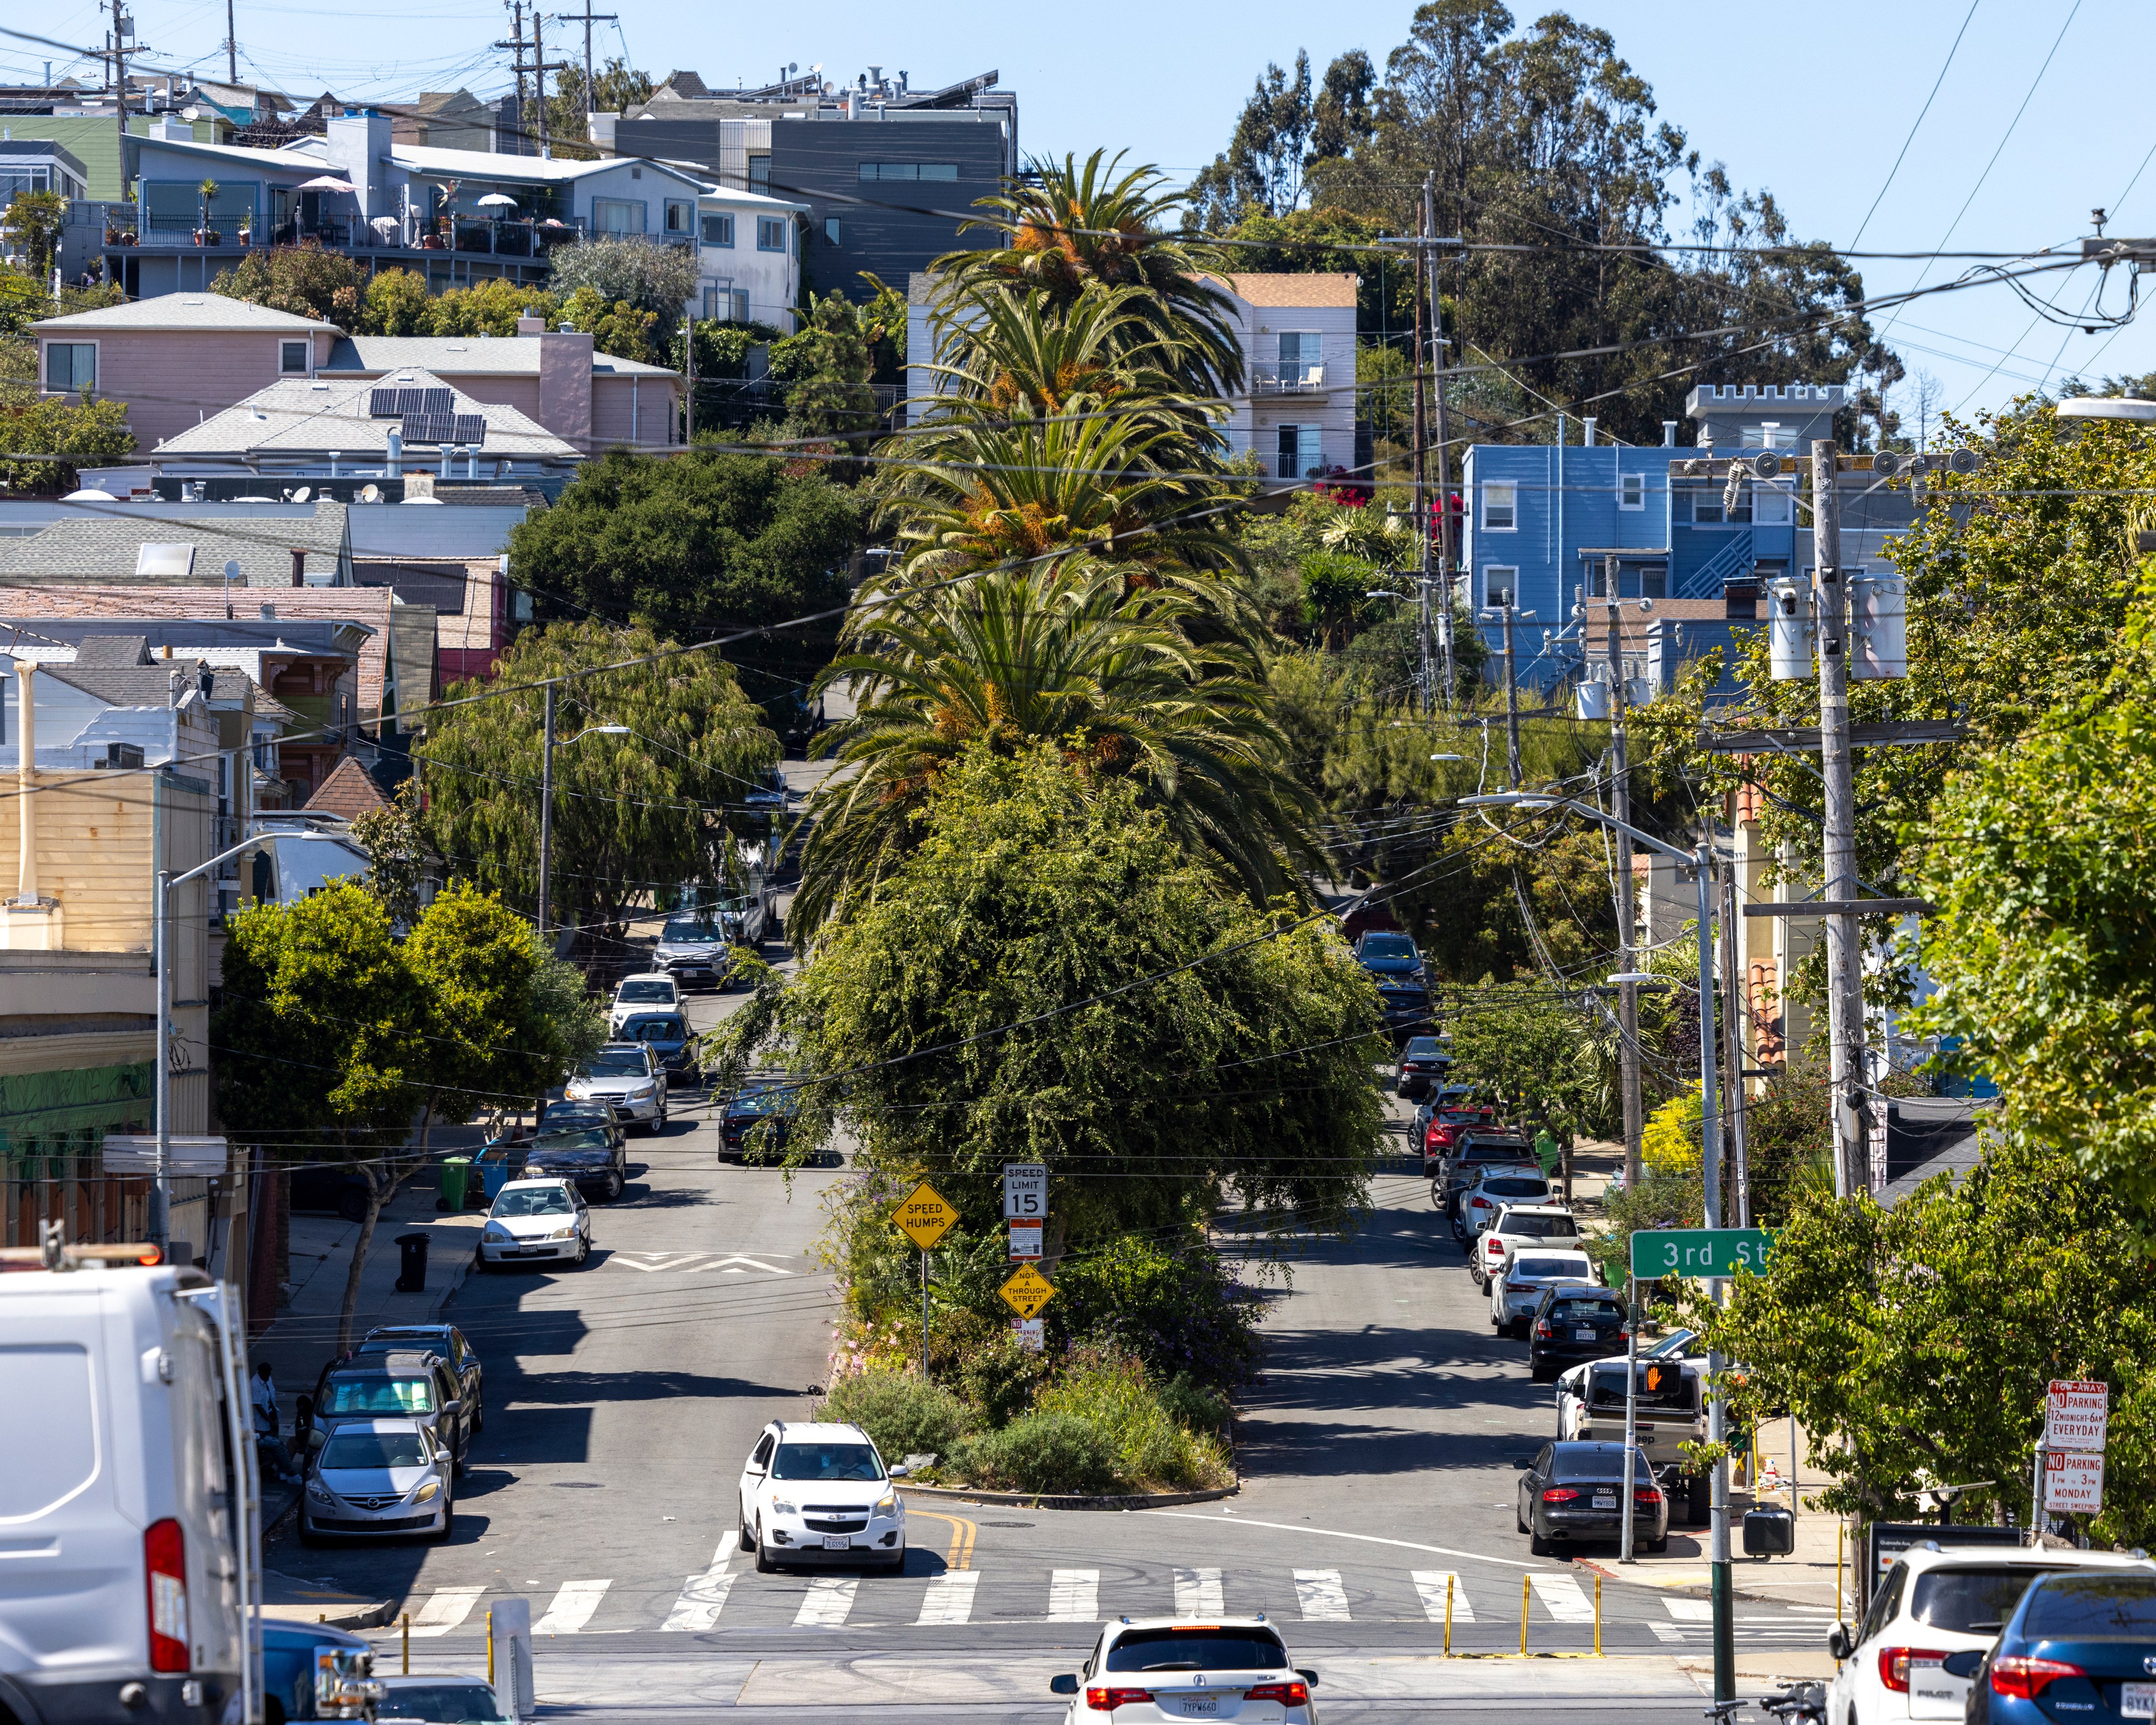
(1515,1289)
(535,1221)
(1167,1668)
(817,1493)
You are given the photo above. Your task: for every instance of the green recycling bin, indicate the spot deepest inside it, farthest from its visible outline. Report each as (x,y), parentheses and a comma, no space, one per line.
(456,1171)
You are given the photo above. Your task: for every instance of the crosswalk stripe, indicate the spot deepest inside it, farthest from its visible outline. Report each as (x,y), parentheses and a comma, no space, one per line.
(1663,1631)
(1198,1592)
(1320,1596)
(1562,1597)
(830,1598)
(1074,1596)
(1430,1584)
(446,1607)
(703,1597)
(949,1597)
(574,1602)
(1689,1610)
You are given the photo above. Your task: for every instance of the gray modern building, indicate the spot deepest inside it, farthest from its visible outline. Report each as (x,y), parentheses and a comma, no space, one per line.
(889,172)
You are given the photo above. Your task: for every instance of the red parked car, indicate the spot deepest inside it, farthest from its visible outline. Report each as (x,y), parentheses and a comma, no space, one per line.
(1445,1126)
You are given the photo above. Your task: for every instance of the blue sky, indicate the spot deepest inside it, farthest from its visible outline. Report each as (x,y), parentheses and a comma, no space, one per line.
(1814,102)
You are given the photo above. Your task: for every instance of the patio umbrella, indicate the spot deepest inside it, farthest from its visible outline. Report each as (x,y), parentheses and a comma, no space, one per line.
(497,200)
(384,224)
(327,183)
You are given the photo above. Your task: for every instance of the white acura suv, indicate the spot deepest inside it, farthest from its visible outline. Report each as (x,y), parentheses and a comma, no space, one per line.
(820,1493)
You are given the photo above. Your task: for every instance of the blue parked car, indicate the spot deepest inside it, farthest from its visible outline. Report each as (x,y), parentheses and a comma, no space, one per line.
(2079,1646)
(1389,957)
(758,1116)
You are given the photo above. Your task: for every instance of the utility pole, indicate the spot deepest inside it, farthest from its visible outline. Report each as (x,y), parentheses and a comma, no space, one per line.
(1733,1052)
(588,17)
(122,28)
(1620,801)
(1423,680)
(1444,549)
(1507,615)
(539,66)
(1844,980)
(515,45)
(231,46)
(546,811)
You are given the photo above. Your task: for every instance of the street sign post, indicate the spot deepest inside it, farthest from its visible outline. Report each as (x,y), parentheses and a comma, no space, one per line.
(924,1217)
(1026,1291)
(1025,1191)
(2073,1482)
(1032,1333)
(1698,1254)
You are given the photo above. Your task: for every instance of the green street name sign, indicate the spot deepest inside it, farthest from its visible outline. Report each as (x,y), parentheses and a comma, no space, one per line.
(1699,1252)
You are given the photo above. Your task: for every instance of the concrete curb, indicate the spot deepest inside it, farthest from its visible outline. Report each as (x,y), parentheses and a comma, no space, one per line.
(1045,1499)
(1640,1577)
(306,1602)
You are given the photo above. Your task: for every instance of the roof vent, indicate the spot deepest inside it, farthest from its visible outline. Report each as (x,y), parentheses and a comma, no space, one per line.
(163,562)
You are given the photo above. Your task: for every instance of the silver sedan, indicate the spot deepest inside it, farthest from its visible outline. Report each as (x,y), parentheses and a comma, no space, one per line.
(379,1477)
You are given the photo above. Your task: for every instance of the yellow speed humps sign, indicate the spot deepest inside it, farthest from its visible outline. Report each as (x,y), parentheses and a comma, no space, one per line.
(1027,1290)
(923,1217)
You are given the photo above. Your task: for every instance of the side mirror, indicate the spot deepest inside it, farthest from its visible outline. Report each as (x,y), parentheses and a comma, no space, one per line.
(317,1438)
(1838,1644)
(899,1471)
(1065,1684)
(1966,1663)
(1308,1677)
(1521,1464)
(754,1469)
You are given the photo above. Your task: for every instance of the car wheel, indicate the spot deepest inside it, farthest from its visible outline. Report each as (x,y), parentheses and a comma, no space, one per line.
(480,1263)
(352,1206)
(1519,1521)
(449,1528)
(747,1538)
(612,1184)
(897,1565)
(583,1251)
(764,1566)
(1537,1547)
(1660,1547)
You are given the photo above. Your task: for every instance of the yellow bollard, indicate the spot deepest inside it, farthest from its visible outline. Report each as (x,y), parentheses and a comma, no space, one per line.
(489,1650)
(1523,1614)
(405,1618)
(1597,1616)
(1448,1616)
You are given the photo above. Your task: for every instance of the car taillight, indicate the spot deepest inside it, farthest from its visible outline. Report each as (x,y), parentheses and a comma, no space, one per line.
(1543,1327)
(1519,1287)
(1107,1700)
(1894,1663)
(1559,1494)
(165,1557)
(1288,1694)
(1646,1494)
(2021,1679)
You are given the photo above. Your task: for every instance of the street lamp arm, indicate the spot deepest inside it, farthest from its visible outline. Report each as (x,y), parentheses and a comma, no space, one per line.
(223,857)
(1652,843)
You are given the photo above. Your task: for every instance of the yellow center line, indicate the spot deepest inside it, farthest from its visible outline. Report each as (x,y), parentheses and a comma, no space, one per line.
(960,1556)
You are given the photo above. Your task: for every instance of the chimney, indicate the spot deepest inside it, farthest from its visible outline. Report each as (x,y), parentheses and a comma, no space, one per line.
(1668,433)
(1588,423)
(393,464)
(26,782)
(565,385)
(531,324)
(268,612)
(299,567)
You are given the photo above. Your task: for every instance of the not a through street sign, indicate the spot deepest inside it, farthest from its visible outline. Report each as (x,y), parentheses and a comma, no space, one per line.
(1705,1253)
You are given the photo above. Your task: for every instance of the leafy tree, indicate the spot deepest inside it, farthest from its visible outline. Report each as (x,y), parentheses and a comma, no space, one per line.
(693,546)
(1915,1344)
(31,224)
(394,839)
(651,278)
(315,1028)
(979,1011)
(95,432)
(632,814)
(1331,241)
(396,302)
(1020,660)
(1282,132)
(830,362)
(305,279)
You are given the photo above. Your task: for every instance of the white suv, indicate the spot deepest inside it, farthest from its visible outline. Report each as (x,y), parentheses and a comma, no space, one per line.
(820,1493)
(628,1076)
(1938,1599)
(649,991)
(1167,1668)
(1517,1226)
(1515,1289)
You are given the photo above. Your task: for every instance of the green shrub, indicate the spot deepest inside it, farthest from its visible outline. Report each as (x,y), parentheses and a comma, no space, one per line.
(1192,1406)
(1112,1393)
(1178,1312)
(1047,1451)
(1000,1379)
(903,1416)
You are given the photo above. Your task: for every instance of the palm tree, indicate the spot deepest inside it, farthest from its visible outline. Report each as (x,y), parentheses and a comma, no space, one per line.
(1071,229)
(1017,657)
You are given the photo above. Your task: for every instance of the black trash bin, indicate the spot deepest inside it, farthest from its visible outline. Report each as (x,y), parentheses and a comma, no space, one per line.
(411,1277)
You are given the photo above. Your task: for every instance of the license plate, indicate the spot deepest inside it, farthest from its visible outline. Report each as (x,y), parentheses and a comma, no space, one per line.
(1582,1335)
(1605,1503)
(837,1542)
(2136,1700)
(1200,1707)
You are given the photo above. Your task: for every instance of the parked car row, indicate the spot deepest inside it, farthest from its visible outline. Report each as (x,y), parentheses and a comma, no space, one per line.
(391,1431)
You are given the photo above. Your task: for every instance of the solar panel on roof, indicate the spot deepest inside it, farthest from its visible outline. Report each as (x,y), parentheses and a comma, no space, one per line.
(387,404)
(470,429)
(429,428)
(435,401)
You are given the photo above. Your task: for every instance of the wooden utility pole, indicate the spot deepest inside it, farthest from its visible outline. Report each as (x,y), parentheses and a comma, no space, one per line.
(231,46)
(122,25)
(1421,493)
(588,17)
(1733,1039)
(1428,265)
(539,66)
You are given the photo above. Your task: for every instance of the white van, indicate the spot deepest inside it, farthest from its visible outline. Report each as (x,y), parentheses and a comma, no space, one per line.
(128,1542)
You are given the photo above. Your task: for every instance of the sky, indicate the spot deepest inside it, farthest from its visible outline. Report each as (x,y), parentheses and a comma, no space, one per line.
(1814,103)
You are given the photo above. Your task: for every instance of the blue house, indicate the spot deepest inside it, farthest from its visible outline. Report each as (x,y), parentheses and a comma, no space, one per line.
(1543,521)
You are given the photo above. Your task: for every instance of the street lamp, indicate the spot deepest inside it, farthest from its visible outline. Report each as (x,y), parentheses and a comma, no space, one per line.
(546,799)
(1701,857)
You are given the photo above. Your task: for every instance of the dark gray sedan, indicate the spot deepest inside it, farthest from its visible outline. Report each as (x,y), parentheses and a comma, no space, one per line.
(1572,1493)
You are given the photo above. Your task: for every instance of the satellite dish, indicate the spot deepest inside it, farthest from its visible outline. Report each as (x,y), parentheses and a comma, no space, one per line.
(370,494)
(303,494)
(1963,461)
(1887,463)
(1767,465)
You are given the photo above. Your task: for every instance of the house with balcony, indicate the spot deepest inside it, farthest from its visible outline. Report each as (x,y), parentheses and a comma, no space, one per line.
(455,216)
(749,254)
(1296,410)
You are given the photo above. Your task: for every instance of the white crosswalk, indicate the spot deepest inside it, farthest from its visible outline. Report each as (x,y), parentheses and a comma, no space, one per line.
(703,1597)
(1074,1596)
(949,1597)
(1689,1610)
(574,1602)
(1197,1594)
(828,1603)
(1435,1586)
(1562,1597)
(1320,1596)
(445,1609)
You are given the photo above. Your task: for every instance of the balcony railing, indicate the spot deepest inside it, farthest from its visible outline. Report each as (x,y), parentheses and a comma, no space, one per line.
(125,226)
(1286,377)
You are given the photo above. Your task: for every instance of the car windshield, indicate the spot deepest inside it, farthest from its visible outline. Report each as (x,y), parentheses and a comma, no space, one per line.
(2081,1608)
(1496,1150)
(690,929)
(614,1063)
(648,990)
(561,1116)
(1597,1461)
(1541,1227)
(540,1201)
(442,1703)
(1553,1266)
(655,1030)
(1421,1048)
(826,1461)
(378,1395)
(1573,1310)
(1964,1600)
(1676,1342)
(1197,1650)
(375,1449)
(548,1143)
(1516,1187)
(1387,945)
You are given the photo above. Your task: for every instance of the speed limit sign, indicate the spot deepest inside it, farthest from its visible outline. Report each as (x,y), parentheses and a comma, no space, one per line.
(1025,1191)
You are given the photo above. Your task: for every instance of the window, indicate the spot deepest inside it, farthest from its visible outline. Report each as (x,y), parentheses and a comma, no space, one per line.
(771,232)
(1298,347)
(831,230)
(636,173)
(759,174)
(1767,435)
(1772,506)
(1632,491)
(909,170)
(292,356)
(1501,506)
(1500,582)
(681,217)
(70,365)
(718,230)
(617,215)
(1300,451)
(1707,510)
(726,305)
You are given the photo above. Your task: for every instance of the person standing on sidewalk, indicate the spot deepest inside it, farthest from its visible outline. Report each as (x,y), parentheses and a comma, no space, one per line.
(267,1442)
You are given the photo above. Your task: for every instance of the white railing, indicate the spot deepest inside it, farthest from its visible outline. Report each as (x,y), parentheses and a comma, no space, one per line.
(1286,377)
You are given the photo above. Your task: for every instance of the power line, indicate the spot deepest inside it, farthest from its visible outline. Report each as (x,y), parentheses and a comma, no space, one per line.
(1911,138)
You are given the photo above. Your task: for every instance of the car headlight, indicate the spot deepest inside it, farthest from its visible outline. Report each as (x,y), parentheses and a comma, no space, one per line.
(496,1232)
(562,1233)
(317,1492)
(779,1505)
(887,1505)
(427,1492)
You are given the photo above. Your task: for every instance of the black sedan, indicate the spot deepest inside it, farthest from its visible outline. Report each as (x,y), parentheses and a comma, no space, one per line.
(1571,1493)
(1572,1324)
(581,1154)
(1405,1007)
(594,1115)
(1423,1062)
(671,1038)
(757,1119)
